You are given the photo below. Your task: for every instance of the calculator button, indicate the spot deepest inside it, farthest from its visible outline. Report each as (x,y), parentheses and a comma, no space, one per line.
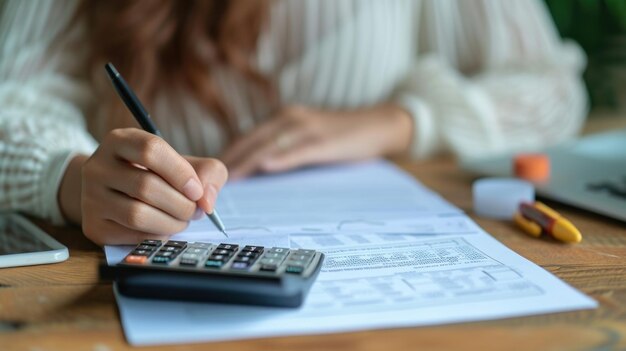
(219,257)
(135,259)
(176,243)
(246,258)
(297,259)
(222,252)
(274,255)
(231,247)
(190,256)
(188,261)
(145,247)
(170,248)
(297,263)
(279,250)
(305,252)
(161,259)
(141,252)
(294,269)
(151,242)
(269,261)
(303,258)
(199,245)
(252,248)
(269,267)
(213,264)
(240,265)
(247,254)
(165,254)
(197,251)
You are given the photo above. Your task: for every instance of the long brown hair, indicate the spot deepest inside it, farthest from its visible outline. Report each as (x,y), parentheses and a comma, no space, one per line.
(177,41)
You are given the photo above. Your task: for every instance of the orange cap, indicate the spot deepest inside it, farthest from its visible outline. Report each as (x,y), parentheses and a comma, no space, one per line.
(532,167)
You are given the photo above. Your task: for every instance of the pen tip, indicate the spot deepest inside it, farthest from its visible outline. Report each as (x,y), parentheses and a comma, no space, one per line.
(225,234)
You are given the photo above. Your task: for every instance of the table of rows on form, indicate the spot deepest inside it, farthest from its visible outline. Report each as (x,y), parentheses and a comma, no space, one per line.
(403,275)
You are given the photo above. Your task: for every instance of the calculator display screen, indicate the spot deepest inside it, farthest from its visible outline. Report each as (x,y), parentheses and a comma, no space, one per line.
(15,239)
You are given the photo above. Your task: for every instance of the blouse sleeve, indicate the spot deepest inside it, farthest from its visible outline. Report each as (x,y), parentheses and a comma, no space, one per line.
(492,77)
(42,125)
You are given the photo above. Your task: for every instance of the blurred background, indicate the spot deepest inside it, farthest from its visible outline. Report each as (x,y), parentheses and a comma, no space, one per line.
(599,26)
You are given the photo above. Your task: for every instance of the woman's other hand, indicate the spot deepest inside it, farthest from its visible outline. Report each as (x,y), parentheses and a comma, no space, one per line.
(300,136)
(135,186)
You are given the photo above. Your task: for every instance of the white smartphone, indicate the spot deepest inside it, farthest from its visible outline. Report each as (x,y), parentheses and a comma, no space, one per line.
(23,244)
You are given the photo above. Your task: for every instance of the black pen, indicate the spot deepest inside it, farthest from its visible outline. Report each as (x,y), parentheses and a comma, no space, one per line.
(143,118)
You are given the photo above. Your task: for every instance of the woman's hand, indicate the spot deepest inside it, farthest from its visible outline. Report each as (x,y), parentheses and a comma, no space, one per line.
(135,186)
(300,136)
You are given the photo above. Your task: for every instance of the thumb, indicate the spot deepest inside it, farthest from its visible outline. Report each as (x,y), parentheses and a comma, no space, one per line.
(213,175)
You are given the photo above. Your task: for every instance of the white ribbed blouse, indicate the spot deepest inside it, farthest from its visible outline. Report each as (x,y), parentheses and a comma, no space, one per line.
(478,77)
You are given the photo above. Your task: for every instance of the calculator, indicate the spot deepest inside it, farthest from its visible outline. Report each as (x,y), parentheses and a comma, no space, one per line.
(224,273)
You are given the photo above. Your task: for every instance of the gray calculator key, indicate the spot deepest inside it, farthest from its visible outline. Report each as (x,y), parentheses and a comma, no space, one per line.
(191,256)
(269,267)
(278,250)
(305,252)
(188,261)
(296,263)
(198,251)
(199,246)
(275,255)
(300,258)
(269,261)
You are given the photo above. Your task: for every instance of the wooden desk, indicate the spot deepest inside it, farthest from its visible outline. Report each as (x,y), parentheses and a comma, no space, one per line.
(64,307)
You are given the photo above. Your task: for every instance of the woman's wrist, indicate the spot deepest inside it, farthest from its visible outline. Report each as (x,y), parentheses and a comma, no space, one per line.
(401,129)
(69,195)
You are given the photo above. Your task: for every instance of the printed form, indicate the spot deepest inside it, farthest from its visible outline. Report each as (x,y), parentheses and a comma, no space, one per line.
(397,255)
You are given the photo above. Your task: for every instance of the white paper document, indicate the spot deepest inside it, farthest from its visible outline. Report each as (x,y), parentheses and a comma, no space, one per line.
(397,255)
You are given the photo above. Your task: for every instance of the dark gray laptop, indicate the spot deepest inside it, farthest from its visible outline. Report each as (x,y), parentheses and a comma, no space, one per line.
(589,173)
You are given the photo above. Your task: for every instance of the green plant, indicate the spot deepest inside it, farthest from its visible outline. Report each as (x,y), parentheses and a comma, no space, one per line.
(599,26)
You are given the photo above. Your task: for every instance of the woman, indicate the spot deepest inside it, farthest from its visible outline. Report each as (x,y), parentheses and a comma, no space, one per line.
(267,86)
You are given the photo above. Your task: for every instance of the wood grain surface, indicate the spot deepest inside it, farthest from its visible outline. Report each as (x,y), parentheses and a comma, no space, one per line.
(64,306)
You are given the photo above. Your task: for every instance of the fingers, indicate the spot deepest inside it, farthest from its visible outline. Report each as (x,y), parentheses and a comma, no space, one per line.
(139,216)
(116,234)
(151,189)
(114,218)
(250,164)
(309,153)
(213,175)
(291,128)
(150,151)
(265,132)
(138,185)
